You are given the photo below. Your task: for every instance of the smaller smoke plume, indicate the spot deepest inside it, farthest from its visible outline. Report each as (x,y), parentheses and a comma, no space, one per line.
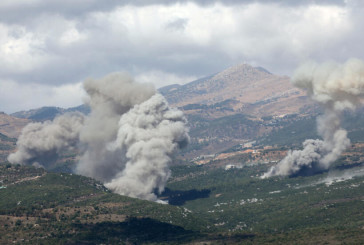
(299,160)
(339,176)
(336,88)
(40,143)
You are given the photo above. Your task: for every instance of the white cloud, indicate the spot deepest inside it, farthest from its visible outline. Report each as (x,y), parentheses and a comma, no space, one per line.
(29,96)
(62,43)
(161,78)
(20,51)
(72,36)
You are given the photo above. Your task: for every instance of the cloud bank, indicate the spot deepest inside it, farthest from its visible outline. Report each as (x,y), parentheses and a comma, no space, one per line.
(47,45)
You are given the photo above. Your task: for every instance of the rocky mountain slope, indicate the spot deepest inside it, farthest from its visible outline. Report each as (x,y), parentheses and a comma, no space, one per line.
(11,126)
(238,89)
(236,106)
(241,89)
(225,109)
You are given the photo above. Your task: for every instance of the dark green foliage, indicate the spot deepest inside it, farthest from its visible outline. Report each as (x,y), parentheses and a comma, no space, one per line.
(64,202)
(179,198)
(295,132)
(241,202)
(267,118)
(221,106)
(18,222)
(235,126)
(7,144)
(46,191)
(292,134)
(63,166)
(215,205)
(133,230)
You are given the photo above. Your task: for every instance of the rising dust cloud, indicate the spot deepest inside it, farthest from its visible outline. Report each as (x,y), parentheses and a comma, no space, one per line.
(40,143)
(126,141)
(336,88)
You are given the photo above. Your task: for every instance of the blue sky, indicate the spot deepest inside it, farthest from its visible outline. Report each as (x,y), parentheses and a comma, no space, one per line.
(47,48)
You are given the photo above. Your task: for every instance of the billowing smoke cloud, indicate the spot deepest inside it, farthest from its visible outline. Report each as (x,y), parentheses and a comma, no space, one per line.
(126,141)
(40,143)
(109,98)
(149,133)
(336,88)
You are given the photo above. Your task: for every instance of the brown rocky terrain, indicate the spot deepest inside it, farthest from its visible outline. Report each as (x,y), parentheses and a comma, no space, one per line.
(235,106)
(239,89)
(11,126)
(229,108)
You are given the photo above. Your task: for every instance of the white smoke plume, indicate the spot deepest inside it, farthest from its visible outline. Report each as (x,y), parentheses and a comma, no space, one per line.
(148,133)
(109,98)
(126,141)
(336,88)
(40,143)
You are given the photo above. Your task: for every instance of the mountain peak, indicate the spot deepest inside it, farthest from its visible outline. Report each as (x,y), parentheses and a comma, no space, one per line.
(244,67)
(241,72)
(247,88)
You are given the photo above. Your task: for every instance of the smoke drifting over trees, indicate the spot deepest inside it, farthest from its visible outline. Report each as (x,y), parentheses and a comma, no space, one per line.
(336,88)
(40,143)
(148,133)
(109,98)
(126,141)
